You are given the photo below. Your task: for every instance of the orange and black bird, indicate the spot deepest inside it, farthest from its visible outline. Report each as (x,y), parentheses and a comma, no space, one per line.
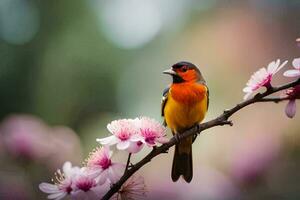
(184,104)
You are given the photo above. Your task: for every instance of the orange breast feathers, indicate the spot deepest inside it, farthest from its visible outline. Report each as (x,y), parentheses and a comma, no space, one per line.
(186,105)
(188,93)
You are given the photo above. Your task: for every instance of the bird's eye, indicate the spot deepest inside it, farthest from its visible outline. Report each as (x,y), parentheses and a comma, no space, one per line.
(184,68)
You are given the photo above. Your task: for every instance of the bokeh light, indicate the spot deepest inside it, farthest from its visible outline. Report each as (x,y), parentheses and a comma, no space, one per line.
(19,21)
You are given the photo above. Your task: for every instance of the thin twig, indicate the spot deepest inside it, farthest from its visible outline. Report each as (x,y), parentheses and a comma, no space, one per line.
(219,121)
(128,162)
(275,99)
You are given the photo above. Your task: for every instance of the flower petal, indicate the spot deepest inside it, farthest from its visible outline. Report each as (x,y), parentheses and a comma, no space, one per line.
(281,66)
(162,140)
(247,89)
(48,188)
(123,145)
(115,172)
(67,166)
(103,177)
(57,196)
(292,73)
(91,195)
(107,152)
(273,66)
(247,95)
(101,189)
(296,63)
(70,170)
(136,138)
(78,195)
(111,140)
(290,109)
(135,147)
(94,171)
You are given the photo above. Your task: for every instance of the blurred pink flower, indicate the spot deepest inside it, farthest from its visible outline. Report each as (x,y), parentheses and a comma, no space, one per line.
(99,163)
(26,136)
(254,157)
(293,94)
(133,188)
(62,184)
(123,131)
(294,72)
(298,42)
(150,132)
(66,145)
(262,77)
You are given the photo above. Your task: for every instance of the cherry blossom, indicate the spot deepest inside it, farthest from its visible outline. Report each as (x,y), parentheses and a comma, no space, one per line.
(293,94)
(133,188)
(99,163)
(150,132)
(86,187)
(123,131)
(262,77)
(294,72)
(62,184)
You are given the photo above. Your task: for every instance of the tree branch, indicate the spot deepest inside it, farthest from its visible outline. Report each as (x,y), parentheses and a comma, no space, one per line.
(219,121)
(128,163)
(274,99)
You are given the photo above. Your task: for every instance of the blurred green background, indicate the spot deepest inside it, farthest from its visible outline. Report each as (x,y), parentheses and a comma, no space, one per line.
(68,68)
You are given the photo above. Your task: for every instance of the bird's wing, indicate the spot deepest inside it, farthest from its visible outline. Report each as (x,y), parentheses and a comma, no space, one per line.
(164,101)
(207,96)
(202,81)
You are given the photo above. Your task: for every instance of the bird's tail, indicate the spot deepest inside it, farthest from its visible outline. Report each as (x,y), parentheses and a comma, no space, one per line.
(183,161)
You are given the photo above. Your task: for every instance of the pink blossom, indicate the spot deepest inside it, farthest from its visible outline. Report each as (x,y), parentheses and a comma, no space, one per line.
(150,132)
(62,184)
(253,157)
(123,131)
(290,109)
(86,187)
(294,72)
(99,163)
(298,42)
(262,77)
(133,188)
(75,182)
(293,94)
(26,136)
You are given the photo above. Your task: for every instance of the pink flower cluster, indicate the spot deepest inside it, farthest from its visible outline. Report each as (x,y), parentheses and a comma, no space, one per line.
(263,78)
(94,179)
(132,134)
(293,93)
(75,182)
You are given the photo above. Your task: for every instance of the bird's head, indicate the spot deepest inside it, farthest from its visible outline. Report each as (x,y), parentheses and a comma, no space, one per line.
(185,72)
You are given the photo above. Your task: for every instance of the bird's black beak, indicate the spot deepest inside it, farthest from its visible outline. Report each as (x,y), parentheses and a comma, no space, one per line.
(176,77)
(170,72)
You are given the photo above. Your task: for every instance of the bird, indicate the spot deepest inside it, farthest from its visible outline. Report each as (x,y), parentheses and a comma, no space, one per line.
(184,104)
